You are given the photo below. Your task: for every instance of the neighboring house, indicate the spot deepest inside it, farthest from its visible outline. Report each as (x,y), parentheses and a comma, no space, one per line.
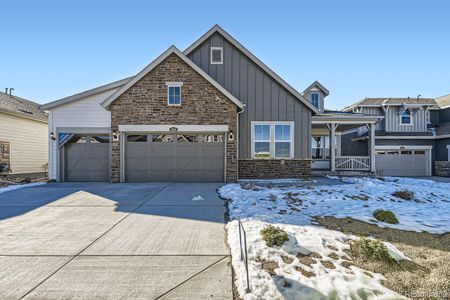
(214,112)
(410,140)
(23,137)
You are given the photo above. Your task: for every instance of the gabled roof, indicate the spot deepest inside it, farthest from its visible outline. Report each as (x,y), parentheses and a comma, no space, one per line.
(259,63)
(97,90)
(443,101)
(21,107)
(380,102)
(319,86)
(156,62)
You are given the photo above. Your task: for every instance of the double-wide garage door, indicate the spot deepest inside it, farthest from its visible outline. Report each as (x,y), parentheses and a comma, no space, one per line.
(174,157)
(403,162)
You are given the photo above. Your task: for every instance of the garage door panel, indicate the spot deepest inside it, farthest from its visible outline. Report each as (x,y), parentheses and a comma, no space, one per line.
(86,158)
(184,159)
(405,162)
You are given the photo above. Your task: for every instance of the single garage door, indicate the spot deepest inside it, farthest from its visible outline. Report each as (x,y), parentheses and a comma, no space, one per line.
(174,157)
(403,162)
(86,158)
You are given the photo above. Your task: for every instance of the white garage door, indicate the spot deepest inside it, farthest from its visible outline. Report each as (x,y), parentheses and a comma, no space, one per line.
(403,162)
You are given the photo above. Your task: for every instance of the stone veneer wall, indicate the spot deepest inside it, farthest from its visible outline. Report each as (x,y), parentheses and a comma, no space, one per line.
(442,168)
(274,168)
(5,163)
(145,103)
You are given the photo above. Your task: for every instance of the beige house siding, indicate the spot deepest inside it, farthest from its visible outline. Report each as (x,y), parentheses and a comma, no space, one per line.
(87,113)
(28,142)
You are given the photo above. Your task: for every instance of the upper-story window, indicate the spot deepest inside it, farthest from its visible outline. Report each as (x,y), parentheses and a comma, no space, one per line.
(174,93)
(216,55)
(315,99)
(406,118)
(428,117)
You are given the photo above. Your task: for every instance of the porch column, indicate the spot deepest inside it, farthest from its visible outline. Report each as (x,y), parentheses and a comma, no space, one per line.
(333,147)
(372,147)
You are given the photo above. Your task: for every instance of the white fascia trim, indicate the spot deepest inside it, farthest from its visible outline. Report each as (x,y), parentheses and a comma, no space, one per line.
(167,128)
(259,63)
(85,94)
(403,147)
(357,122)
(156,62)
(211,56)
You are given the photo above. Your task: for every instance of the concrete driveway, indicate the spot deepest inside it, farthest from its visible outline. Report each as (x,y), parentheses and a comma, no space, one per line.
(114,241)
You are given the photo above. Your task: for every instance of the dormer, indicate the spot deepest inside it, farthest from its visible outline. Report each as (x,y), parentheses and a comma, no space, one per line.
(316,94)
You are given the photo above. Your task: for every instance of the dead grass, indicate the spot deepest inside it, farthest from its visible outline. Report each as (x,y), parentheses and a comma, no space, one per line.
(305,273)
(287,260)
(427,274)
(328,264)
(268,266)
(306,259)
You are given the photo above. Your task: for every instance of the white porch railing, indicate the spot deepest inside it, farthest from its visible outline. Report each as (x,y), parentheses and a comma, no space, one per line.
(352,163)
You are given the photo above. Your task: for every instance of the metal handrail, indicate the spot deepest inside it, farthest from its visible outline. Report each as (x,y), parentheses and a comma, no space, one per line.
(244,253)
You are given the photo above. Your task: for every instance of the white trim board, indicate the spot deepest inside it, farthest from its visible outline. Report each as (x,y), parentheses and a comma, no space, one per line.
(85,94)
(156,62)
(252,57)
(167,128)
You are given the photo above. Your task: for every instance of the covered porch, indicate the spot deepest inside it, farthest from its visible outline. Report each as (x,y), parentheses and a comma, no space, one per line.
(327,129)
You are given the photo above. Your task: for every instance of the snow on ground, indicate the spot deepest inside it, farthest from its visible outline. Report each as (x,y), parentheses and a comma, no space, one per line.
(349,197)
(306,282)
(19,186)
(291,206)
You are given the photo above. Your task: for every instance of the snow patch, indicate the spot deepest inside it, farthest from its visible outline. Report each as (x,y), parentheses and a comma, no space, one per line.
(19,186)
(198,198)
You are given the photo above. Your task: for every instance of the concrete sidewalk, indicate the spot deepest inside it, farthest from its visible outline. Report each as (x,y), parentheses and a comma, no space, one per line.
(114,241)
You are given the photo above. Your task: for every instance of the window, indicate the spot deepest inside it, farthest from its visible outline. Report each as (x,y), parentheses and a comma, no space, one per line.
(428,117)
(216,55)
(405,118)
(320,146)
(315,99)
(136,138)
(174,93)
(282,141)
(406,152)
(272,140)
(419,152)
(262,141)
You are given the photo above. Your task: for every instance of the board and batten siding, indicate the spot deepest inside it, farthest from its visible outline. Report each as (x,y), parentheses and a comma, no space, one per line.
(264,98)
(28,143)
(86,112)
(393,121)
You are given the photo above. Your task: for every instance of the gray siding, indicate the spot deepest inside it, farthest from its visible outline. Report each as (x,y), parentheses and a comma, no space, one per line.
(393,121)
(441,149)
(321,98)
(265,99)
(374,111)
(435,118)
(444,115)
(351,148)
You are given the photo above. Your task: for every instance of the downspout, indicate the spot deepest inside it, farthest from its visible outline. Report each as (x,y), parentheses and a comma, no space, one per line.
(238,140)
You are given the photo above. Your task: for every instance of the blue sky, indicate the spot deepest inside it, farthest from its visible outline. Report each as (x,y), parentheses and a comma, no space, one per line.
(52,49)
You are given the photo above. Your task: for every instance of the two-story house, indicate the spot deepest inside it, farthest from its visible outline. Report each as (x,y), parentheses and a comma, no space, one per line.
(409,140)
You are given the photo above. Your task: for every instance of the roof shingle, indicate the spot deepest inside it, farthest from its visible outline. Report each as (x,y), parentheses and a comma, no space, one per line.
(22,107)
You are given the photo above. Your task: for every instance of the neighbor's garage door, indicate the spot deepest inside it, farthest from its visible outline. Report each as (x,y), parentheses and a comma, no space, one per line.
(404,162)
(86,158)
(174,157)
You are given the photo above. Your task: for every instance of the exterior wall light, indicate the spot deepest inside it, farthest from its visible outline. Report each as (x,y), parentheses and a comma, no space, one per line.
(115,137)
(52,136)
(231,135)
